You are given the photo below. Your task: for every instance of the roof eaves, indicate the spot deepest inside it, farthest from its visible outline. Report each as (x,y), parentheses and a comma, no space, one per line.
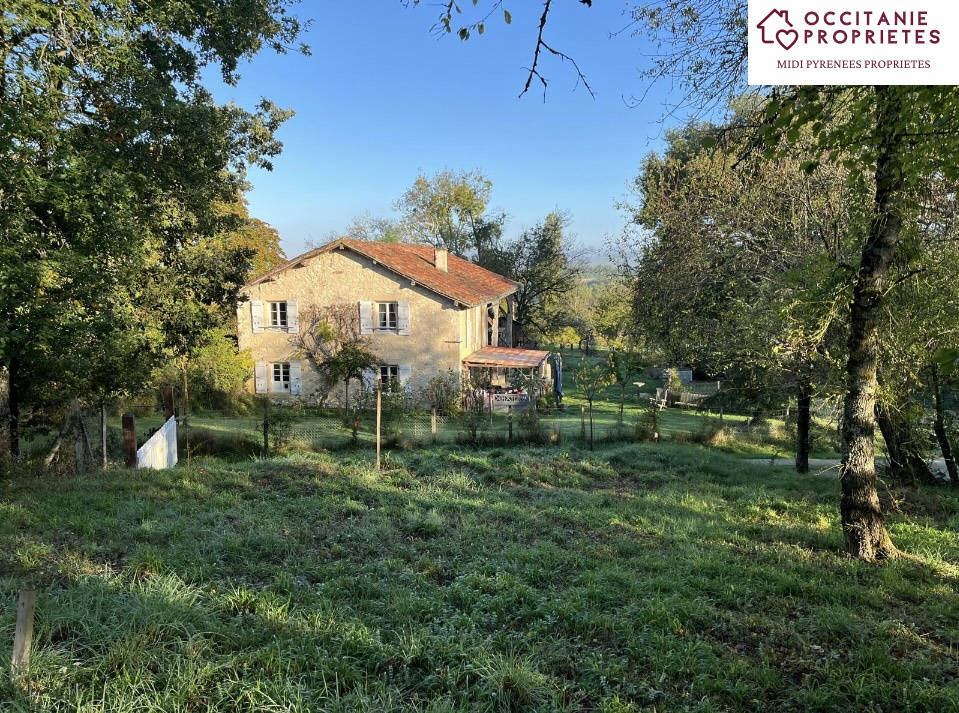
(347,244)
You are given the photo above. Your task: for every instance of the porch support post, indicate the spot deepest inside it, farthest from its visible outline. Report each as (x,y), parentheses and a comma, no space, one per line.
(509,321)
(492,317)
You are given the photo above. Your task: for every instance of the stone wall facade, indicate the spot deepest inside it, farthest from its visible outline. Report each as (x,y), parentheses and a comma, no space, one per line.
(440,335)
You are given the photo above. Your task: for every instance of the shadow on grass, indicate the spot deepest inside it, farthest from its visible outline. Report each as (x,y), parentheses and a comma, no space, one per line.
(545,579)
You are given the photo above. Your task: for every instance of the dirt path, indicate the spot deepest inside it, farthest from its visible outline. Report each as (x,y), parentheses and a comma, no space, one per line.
(830,466)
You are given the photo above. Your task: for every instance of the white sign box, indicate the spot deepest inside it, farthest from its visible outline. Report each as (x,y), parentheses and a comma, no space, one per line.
(853,42)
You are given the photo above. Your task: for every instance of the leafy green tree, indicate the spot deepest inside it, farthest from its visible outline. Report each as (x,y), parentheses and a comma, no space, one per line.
(257,237)
(115,160)
(370,227)
(613,313)
(330,339)
(624,364)
(740,260)
(900,136)
(212,375)
(449,209)
(591,378)
(543,261)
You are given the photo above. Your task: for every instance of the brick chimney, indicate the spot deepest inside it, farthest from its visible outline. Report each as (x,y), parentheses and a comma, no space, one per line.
(441,259)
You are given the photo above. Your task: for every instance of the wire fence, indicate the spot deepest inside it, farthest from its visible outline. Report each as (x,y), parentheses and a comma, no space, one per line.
(271,429)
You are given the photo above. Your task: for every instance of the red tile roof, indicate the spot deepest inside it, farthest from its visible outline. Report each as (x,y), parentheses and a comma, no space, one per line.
(506,357)
(463,282)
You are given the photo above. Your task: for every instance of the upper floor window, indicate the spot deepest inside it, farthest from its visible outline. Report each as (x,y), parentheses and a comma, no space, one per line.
(386,315)
(278,315)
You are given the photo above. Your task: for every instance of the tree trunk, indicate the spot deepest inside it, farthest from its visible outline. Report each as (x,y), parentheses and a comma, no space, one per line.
(940,429)
(591,424)
(104,456)
(13,407)
(68,425)
(863,528)
(622,401)
(906,462)
(804,401)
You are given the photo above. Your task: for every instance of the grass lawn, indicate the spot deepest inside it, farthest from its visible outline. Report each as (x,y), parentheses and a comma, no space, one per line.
(637,578)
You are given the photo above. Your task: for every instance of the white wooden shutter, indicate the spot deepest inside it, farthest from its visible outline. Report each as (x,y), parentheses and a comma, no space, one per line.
(296,378)
(403,318)
(256,315)
(259,373)
(366,318)
(369,380)
(292,317)
(405,370)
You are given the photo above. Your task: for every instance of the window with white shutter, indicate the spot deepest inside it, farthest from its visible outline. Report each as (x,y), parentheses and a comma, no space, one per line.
(256,316)
(259,377)
(386,316)
(292,317)
(389,377)
(296,378)
(403,318)
(279,316)
(280,381)
(405,371)
(366,317)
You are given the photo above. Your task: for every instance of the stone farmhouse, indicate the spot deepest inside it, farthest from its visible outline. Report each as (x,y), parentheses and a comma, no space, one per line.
(425,312)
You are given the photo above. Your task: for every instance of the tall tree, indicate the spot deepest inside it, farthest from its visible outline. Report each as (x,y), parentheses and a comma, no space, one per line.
(450,209)
(739,262)
(115,160)
(257,237)
(330,339)
(543,260)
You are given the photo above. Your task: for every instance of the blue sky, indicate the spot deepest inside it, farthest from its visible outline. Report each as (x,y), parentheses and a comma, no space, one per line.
(382,99)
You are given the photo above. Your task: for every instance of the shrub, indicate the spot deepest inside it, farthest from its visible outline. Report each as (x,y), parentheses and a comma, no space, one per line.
(672,381)
(442,392)
(216,373)
(530,426)
(710,430)
(206,442)
(282,421)
(647,425)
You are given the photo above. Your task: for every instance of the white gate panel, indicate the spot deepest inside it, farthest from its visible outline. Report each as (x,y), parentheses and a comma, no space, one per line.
(159,451)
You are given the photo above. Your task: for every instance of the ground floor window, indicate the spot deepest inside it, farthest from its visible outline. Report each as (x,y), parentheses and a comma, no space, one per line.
(389,377)
(281,377)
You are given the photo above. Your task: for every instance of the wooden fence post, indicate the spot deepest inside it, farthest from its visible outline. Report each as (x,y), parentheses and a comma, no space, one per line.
(433,424)
(130,440)
(509,420)
(266,427)
(103,434)
(379,411)
(23,637)
(167,395)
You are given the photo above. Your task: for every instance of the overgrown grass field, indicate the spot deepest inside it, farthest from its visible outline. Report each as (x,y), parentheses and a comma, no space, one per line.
(635,578)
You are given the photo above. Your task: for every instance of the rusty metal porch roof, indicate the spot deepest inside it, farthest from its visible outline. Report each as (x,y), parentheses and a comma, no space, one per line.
(506,357)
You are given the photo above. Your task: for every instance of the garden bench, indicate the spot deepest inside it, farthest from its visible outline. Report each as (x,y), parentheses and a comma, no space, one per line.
(687,399)
(661,399)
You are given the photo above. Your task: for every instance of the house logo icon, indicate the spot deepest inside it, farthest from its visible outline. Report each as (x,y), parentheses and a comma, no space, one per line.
(776,27)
